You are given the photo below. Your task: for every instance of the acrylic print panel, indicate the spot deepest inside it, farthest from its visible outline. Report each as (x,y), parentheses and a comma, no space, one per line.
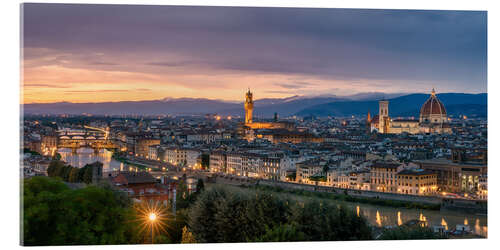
(182,124)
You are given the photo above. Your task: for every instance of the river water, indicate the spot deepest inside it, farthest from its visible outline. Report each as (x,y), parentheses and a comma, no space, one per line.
(85,156)
(389,216)
(376,215)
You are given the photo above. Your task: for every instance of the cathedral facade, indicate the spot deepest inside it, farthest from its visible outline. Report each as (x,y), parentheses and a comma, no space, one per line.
(433,119)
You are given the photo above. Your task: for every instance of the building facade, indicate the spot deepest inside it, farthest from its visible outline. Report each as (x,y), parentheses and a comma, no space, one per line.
(433,119)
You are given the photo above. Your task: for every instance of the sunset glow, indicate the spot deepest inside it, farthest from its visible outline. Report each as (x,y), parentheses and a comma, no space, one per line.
(216,53)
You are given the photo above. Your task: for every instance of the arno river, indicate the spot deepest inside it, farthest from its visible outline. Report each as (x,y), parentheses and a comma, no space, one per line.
(87,155)
(376,215)
(389,216)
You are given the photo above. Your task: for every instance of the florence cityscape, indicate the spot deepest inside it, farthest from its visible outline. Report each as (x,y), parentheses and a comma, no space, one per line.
(191,124)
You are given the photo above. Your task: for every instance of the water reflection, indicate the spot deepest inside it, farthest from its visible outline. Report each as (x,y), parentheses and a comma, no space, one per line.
(388,216)
(444,224)
(378,219)
(85,156)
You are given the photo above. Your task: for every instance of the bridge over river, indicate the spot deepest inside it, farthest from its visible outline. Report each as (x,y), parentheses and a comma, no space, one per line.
(86,137)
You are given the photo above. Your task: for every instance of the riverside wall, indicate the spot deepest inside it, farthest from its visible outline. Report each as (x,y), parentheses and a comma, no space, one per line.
(463,205)
(354,192)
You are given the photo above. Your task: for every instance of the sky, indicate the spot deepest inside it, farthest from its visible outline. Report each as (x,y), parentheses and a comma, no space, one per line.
(101,53)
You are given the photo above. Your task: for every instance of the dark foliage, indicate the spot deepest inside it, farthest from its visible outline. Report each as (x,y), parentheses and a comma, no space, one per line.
(410,233)
(345,197)
(223,214)
(71,174)
(57,215)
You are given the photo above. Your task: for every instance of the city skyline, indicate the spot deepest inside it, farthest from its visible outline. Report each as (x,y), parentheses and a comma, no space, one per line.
(102,53)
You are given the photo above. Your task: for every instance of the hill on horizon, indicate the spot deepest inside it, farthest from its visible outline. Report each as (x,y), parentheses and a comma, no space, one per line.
(328,105)
(407,105)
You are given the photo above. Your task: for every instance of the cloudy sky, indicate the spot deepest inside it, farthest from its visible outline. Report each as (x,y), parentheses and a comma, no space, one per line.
(96,53)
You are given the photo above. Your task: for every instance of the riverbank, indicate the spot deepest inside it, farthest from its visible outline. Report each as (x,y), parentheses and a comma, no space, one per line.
(348,198)
(379,199)
(118,157)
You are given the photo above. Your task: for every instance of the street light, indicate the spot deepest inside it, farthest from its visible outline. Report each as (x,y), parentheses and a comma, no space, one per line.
(152,220)
(151,215)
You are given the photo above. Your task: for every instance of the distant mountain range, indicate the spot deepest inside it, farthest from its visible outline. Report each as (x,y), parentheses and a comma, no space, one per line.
(326,105)
(407,105)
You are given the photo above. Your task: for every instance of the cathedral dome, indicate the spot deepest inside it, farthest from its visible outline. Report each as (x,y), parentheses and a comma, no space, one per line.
(433,110)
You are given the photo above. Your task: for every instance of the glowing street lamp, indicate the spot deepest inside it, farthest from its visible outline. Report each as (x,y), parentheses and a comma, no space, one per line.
(152,216)
(152,220)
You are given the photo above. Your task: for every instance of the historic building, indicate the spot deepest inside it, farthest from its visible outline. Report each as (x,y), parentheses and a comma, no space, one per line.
(141,146)
(249,123)
(433,119)
(383,176)
(248,107)
(416,182)
(460,174)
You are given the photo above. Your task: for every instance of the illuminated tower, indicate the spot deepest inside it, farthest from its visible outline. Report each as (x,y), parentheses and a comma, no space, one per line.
(248,107)
(383,116)
(368,123)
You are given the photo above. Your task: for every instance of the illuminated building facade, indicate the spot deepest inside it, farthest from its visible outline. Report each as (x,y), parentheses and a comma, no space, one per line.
(417,182)
(433,119)
(248,107)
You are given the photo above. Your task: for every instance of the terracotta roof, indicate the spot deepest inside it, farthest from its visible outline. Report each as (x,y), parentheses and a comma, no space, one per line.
(432,107)
(135,177)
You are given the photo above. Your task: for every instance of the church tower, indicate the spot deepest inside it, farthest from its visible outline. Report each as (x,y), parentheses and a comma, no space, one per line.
(248,107)
(383,116)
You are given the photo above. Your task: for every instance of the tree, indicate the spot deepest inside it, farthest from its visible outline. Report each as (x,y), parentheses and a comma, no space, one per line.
(205,161)
(225,214)
(200,186)
(187,236)
(73,175)
(325,169)
(66,172)
(201,216)
(60,169)
(57,215)
(182,195)
(86,173)
(54,168)
(282,233)
(57,156)
(325,221)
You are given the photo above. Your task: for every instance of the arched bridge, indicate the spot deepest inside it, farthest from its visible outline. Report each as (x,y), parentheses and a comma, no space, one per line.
(91,137)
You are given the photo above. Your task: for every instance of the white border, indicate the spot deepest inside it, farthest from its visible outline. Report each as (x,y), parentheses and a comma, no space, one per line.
(10,98)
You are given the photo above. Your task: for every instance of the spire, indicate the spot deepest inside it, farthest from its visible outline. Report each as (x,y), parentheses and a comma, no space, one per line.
(433,93)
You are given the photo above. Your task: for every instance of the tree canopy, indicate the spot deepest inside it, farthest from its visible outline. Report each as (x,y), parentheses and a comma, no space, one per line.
(57,215)
(223,214)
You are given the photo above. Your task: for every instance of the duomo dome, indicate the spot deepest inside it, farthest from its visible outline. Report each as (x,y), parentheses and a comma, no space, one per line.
(433,110)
